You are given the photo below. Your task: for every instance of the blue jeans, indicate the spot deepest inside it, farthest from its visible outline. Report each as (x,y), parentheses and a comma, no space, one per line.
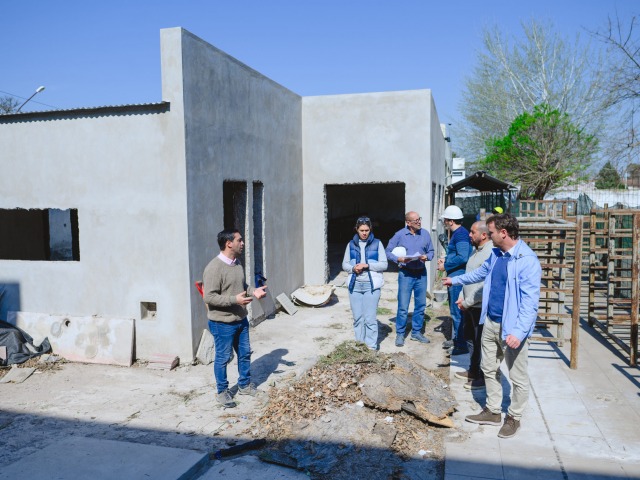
(225,337)
(456,316)
(364,305)
(411,281)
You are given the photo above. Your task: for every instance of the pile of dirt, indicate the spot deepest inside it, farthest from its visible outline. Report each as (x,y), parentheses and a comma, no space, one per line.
(358,409)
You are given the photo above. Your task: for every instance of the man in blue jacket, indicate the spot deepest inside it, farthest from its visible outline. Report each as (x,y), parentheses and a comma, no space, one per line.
(455,263)
(510,297)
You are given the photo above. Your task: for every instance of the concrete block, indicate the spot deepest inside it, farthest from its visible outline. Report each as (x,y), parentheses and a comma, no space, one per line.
(72,458)
(288,306)
(48,358)
(17,375)
(163,361)
(82,339)
(206,349)
(268,305)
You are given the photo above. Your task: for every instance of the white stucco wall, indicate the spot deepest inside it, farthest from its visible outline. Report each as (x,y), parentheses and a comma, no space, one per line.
(240,126)
(148,186)
(125,173)
(366,138)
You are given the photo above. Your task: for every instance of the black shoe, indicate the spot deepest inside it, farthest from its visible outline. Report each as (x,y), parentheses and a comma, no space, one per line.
(476,384)
(447,344)
(459,351)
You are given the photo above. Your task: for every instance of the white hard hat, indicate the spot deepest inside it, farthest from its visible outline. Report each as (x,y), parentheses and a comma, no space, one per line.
(399,252)
(452,213)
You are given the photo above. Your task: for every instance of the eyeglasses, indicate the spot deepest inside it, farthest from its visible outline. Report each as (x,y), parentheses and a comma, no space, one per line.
(363,220)
(417,220)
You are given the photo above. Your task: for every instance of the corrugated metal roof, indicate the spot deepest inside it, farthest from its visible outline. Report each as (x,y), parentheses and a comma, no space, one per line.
(141,108)
(482,182)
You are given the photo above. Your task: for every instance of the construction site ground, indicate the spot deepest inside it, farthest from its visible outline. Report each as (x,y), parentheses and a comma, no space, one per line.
(70,420)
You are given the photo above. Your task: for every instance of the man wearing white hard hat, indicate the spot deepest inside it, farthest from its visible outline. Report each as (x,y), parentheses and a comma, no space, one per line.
(455,263)
(410,248)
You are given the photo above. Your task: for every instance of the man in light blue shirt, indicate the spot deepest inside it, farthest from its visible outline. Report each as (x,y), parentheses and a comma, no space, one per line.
(412,275)
(510,297)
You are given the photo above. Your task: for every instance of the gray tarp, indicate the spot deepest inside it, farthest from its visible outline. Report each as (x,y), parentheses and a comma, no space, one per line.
(19,344)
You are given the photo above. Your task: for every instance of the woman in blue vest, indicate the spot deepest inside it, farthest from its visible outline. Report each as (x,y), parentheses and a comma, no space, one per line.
(365,260)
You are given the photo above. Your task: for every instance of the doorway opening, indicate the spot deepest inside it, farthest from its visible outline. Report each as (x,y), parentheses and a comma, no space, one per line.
(235,208)
(384,203)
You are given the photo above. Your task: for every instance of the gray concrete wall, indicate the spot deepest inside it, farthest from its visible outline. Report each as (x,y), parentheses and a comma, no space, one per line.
(366,138)
(125,174)
(439,152)
(240,126)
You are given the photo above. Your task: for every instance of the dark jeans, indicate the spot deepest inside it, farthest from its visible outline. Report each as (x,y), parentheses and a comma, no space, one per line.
(225,337)
(473,333)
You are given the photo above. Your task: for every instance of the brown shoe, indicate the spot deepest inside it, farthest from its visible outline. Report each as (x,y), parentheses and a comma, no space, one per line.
(510,427)
(485,417)
(475,384)
(464,375)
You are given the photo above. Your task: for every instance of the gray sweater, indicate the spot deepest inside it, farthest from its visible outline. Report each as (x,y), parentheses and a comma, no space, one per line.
(221,284)
(471,295)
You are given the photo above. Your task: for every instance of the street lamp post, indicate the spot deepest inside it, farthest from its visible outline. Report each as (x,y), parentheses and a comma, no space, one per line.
(38,90)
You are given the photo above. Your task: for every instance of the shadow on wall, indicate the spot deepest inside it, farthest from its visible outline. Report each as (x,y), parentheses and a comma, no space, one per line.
(9,299)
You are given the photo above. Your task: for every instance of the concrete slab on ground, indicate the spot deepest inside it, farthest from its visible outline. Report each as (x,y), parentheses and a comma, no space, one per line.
(81,457)
(578,424)
(250,466)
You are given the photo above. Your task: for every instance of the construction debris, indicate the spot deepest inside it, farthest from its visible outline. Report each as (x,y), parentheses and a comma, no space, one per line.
(206,350)
(17,375)
(409,387)
(302,421)
(284,301)
(313,295)
(236,449)
(163,361)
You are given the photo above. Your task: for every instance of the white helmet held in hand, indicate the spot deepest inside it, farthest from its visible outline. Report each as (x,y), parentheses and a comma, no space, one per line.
(399,252)
(452,213)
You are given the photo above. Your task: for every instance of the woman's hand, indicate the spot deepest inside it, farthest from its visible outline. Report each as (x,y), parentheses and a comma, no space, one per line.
(360,267)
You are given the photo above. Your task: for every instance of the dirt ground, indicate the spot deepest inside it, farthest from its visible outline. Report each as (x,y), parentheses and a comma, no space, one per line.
(309,412)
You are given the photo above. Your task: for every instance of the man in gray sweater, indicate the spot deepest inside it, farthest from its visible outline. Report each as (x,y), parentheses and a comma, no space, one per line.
(226,295)
(470,303)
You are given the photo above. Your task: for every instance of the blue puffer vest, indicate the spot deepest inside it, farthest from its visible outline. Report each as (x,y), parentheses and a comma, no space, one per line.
(370,253)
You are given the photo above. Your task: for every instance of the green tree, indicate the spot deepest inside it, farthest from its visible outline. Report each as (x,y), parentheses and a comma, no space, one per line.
(8,105)
(514,74)
(608,178)
(542,150)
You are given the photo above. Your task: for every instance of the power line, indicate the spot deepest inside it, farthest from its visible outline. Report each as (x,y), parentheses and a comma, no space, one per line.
(32,101)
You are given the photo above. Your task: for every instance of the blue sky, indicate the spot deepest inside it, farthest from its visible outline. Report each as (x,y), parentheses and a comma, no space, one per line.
(90,53)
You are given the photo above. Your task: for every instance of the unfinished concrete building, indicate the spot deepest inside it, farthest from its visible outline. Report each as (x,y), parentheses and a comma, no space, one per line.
(113,211)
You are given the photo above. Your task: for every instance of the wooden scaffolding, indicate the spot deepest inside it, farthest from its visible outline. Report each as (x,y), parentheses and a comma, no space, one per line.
(558,244)
(614,268)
